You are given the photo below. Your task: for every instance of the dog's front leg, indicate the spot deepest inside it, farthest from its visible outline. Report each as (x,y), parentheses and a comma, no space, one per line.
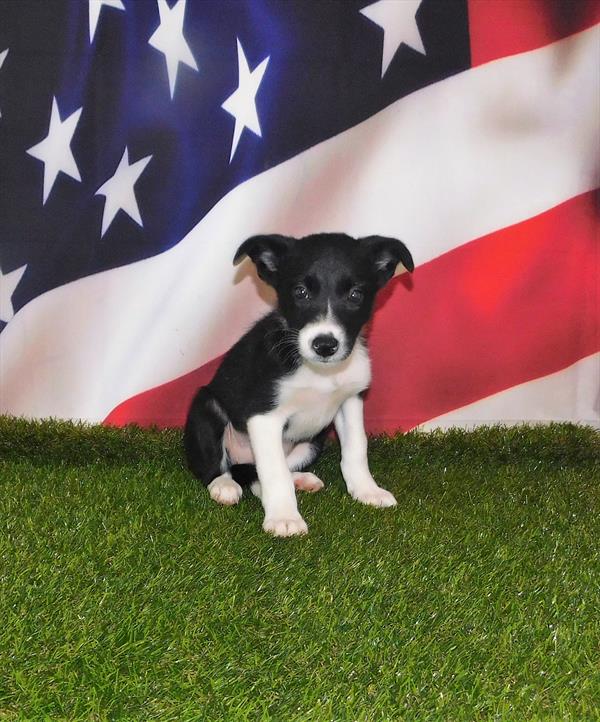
(277,492)
(349,424)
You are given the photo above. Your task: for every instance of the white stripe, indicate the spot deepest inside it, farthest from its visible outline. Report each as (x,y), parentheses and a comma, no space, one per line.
(464,157)
(568,395)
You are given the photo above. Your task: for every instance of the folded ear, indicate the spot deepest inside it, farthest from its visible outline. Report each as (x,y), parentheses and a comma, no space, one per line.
(266,253)
(385,254)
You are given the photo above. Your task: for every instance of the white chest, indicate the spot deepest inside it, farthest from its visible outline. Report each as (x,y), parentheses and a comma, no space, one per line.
(312,395)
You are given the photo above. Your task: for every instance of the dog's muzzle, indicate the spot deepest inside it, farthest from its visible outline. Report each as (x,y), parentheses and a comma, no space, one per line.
(323,341)
(325,345)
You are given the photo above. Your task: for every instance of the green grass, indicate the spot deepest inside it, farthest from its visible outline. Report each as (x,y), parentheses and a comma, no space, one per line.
(125,593)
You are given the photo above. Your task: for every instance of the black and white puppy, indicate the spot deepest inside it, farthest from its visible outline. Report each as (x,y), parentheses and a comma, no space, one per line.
(265,415)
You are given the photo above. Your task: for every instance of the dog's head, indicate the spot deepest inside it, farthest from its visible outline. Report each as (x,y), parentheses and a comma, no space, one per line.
(326,285)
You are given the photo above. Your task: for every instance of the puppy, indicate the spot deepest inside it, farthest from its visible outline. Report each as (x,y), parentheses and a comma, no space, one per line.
(264,417)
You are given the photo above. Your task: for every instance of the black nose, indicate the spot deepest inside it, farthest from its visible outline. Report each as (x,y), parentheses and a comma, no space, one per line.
(325,345)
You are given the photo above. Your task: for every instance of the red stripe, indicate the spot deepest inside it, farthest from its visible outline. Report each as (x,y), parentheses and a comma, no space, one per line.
(164,405)
(505,27)
(502,310)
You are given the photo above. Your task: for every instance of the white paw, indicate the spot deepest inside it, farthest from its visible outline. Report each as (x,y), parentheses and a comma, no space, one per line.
(285,527)
(224,490)
(374,496)
(305,481)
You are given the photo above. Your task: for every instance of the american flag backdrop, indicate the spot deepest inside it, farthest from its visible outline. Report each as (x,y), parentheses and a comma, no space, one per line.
(142,140)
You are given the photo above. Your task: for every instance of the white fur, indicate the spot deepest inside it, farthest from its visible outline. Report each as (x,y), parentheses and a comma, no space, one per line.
(326,325)
(312,395)
(224,490)
(349,424)
(277,492)
(303,480)
(306,481)
(301,455)
(238,450)
(307,401)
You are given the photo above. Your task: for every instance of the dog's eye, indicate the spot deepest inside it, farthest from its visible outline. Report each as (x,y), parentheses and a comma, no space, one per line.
(301,293)
(356,295)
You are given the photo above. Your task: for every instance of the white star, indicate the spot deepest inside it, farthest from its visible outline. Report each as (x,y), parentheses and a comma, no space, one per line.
(94,11)
(242,103)
(55,150)
(3,55)
(8,283)
(399,24)
(168,38)
(119,192)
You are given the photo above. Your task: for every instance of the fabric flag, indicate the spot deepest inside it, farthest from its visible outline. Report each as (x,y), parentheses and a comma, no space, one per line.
(141,141)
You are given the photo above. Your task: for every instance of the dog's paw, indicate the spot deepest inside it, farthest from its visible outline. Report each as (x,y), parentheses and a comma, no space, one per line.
(305,481)
(374,496)
(224,490)
(285,527)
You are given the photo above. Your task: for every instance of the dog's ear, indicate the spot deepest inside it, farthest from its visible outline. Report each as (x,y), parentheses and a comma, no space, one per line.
(385,254)
(266,253)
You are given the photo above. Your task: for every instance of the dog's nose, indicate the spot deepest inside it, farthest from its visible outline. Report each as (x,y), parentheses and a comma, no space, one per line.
(325,345)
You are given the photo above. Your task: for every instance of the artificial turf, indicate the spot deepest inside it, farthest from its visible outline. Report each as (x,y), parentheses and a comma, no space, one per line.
(126,593)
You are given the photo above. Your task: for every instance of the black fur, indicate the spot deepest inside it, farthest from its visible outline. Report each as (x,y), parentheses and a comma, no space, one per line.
(335,271)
